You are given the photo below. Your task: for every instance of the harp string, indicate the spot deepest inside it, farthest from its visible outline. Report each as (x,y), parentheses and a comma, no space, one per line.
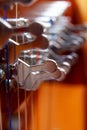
(32,111)
(26,121)
(25,98)
(8,88)
(18,93)
(7,75)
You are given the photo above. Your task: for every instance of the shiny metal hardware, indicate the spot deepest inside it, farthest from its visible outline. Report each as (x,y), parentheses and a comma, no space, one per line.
(25,71)
(2,75)
(46,21)
(78,27)
(31,62)
(67,42)
(36,78)
(40,42)
(18,22)
(37,56)
(59,74)
(8,75)
(66,39)
(7,30)
(36,66)
(12,84)
(22,38)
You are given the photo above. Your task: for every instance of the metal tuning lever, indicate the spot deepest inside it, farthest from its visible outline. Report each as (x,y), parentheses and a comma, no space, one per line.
(36,61)
(26,43)
(36,78)
(33,61)
(7,30)
(21,38)
(67,42)
(32,69)
(78,27)
(59,74)
(35,65)
(18,22)
(29,74)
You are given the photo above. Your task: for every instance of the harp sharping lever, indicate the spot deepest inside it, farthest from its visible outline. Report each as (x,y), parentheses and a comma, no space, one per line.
(7,30)
(21,38)
(44,69)
(19,22)
(67,42)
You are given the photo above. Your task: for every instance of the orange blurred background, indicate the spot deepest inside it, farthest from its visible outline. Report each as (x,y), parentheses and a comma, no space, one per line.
(63,106)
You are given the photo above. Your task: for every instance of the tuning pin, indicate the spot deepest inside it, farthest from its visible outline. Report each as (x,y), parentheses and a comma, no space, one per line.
(7,30)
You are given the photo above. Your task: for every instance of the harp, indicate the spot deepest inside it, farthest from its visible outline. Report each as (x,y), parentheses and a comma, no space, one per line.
(53,104)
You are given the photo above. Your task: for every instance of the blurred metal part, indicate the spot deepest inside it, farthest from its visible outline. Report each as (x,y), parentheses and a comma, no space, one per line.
(18,22)
(22,38)
(34,67)
(7,30)
(67,42)
(2,75)
(41,65)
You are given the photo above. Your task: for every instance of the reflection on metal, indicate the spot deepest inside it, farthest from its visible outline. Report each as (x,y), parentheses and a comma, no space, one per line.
(7,30)
(43,48)
(36,65)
